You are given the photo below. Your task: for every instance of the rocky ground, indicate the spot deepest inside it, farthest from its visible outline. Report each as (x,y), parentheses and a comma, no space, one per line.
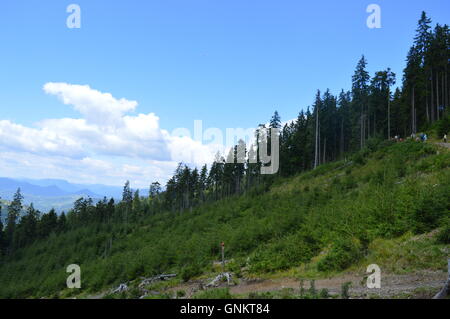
(424,284)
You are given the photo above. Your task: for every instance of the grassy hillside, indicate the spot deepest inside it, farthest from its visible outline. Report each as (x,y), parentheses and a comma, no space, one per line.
(337,217)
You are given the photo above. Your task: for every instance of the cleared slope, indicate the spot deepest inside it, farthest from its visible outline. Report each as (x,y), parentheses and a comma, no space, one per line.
(316,224)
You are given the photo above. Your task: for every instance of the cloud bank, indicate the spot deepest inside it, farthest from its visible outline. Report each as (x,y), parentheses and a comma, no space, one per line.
(108,143)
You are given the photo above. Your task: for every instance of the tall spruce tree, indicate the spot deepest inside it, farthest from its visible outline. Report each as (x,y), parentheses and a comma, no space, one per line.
(317,106)
(14,210)
(360,93)
(2,236)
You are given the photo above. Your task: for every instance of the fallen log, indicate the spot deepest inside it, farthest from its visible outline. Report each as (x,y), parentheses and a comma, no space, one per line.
(148,281)
(219,277)
(121,288)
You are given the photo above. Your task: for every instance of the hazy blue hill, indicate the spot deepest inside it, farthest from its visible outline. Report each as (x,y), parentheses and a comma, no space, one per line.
(10,185)
(97,190)
(46,194)
(60,203)
(59,194)
(62,184)
(45,203)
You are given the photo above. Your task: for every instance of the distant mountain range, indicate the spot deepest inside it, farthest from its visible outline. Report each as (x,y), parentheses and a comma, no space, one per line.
(95,189)
(46,194)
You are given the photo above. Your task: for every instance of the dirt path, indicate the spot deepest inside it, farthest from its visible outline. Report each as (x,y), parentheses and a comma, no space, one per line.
(421,284)
(447,145)
(391,285)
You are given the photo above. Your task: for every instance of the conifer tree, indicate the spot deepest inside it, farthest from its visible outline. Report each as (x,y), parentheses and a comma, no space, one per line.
(14,210)
(360,94)
(2,236)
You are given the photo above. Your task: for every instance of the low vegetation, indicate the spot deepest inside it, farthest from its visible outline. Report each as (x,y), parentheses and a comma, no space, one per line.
(329,219)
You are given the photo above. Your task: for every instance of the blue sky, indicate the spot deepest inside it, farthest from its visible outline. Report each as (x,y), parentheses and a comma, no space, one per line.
(227,63)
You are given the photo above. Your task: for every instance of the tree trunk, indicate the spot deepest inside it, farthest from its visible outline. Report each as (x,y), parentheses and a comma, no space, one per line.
(389,113)
(362,130)
(319,149)
(446,88)
(316,155)
(342,137)
(374,123)
(443,90)
(437,96)
(426,102)
(433,117)
(413,128)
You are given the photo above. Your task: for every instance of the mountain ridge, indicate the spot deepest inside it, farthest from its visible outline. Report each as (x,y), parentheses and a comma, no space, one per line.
(58,194)
(10,184)
(47,194)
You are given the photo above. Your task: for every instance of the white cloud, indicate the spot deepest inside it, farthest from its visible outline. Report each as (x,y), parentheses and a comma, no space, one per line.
(104,145)
(185,149)
(95,106)
(44,141)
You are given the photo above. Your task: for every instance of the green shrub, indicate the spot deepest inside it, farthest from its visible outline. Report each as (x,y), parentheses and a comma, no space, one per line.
(444,233)
(324,294)
(345,290)
(190,271)
(374,143)
(432,206)
(443,126)
(134,293)
(181,294)
(235,266)
(359,159)
(287,293)
(343,253)
(284,253)
(312,288)
(302,287)
(349,182)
